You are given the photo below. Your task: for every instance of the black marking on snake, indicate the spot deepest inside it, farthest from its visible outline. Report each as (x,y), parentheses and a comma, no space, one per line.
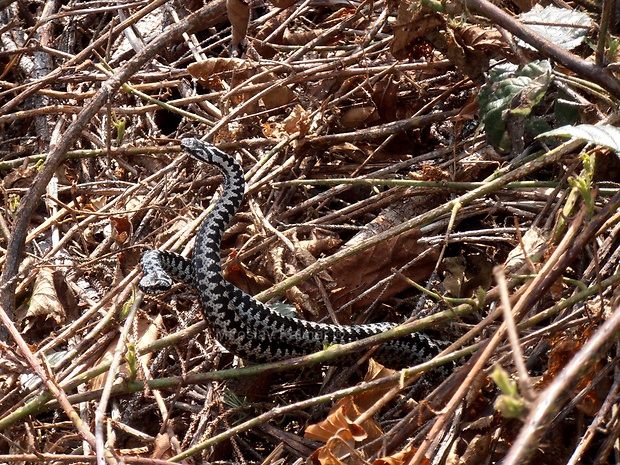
(242,324)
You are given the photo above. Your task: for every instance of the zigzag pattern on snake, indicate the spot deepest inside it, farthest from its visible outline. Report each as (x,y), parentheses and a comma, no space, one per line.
(245,326)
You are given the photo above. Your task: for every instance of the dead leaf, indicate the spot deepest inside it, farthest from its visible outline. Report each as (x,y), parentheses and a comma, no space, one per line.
(298,121)
(400,458)
(463,275)
(306,296)
(341,419)
(339,450)
(300,37)
(534,240)
(375,371)
(340,428)
(45,305)
(358,273)
(205,71)
(347,150)
(429,172)
(411,24)
(212,71)
(162,447)
(19,177)
(563,349)
(239,17)
(283,3)
(484,39)
(358,117)
(385,97)
(121,229)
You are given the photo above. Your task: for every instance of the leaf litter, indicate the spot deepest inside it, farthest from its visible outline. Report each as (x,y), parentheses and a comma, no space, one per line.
(302,94)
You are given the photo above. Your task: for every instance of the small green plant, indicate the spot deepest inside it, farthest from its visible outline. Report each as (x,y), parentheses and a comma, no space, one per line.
(132,361)
(119,124)
(510,404)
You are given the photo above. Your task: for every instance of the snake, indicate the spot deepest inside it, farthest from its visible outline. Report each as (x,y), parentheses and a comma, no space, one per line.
(244,325)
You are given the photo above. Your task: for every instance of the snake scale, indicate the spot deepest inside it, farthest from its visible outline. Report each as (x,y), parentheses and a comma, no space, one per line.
(245,326)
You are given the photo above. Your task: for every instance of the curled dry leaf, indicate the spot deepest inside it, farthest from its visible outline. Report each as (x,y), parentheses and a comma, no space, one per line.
(297,122)
(463,275)
(385,98)
(339,450)
(348,150)
(343,415)
(484,39)
(564,348)
(45,305)
(205,71)
(163,448)
(20,177)
(476,450)
(400,458)
(239,16)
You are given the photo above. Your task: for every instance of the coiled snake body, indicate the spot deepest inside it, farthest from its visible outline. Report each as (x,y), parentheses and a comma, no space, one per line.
(246,327)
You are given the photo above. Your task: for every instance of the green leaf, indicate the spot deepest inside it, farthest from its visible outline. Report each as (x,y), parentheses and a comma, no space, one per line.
(503,381)
(605,135)
(512,92)
(511,407)
(555,24)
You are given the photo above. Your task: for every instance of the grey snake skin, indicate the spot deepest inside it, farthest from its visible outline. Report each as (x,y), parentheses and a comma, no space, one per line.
(246,327)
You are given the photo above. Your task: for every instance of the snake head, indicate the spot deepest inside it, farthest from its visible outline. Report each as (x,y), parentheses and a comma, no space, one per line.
(155,279)
(155,283)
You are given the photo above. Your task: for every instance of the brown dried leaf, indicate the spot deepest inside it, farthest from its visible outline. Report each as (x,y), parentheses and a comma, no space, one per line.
(359,272)
(300,37)
(20,177)
(411,26)
(204,71)
(340,420)
(298,121)
(340,444)
(45,304)
(400,458)
(428,172)
(121,229)
(454,269)
(211,72)
(367,399)
(385,98)
(345,412)
(564,348)
(534,241)
(358,117)
(465,274)
(283,3)
(348,150)
(278,96)
(470,61)
(306,296)
(477,449)
(162,447)
(239,17)
(483,39)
